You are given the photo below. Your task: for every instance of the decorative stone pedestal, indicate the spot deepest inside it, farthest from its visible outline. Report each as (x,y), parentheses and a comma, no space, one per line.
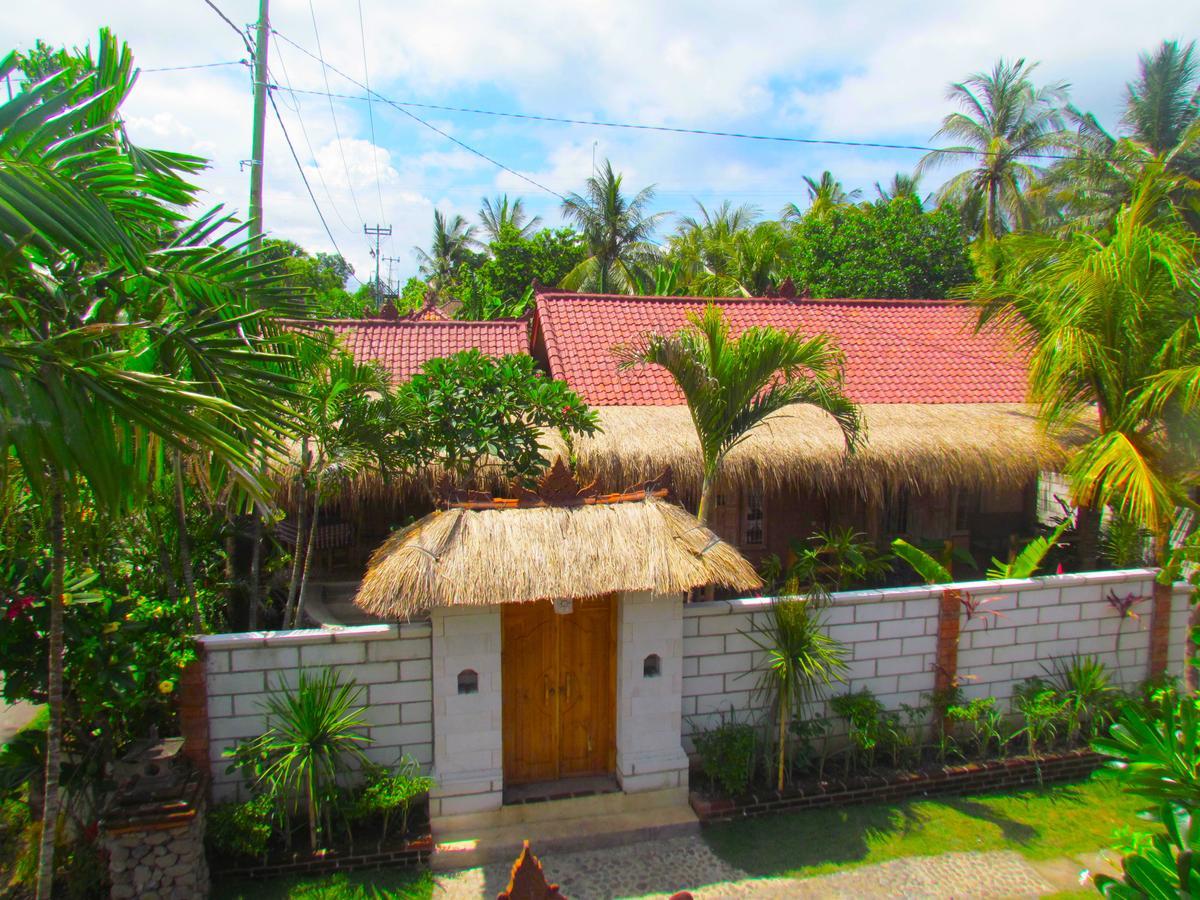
(153,830)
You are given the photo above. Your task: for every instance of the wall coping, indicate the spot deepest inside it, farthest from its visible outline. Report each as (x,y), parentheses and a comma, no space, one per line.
(928,592)
(326,634)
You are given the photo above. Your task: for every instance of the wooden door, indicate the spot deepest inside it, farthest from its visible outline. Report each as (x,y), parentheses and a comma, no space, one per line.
(558,675)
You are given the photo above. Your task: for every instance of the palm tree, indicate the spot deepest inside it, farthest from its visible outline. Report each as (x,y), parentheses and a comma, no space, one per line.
(1110,323)
(103,280)
(618,232)
(500,215)
(451,247)
(903,185)
(1005,120)
(1164,102)
(733,384)
(703,246)
(824,195)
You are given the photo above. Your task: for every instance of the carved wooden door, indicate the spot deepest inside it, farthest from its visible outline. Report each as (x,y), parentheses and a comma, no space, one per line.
(558,675)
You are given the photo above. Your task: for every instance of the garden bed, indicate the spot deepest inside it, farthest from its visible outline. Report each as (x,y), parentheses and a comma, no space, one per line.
(407,853)
(974,777)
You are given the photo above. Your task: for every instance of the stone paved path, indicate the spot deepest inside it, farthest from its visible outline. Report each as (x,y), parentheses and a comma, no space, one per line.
(658,869)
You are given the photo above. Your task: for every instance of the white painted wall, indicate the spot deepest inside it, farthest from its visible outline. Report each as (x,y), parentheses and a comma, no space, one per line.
(891,640)
(391,662)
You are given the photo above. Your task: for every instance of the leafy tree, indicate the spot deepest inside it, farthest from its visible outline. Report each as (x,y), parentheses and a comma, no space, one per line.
(732,384)
(450,251)
(617,231)
(1110,323)
(824,195)
(500,286)
(1005,118)
(500,215)
(468,413)
(890,248)
(105,284)
(726,252)
(319,281)
(412,295)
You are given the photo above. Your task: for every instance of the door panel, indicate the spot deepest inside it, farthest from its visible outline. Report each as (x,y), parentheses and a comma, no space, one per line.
(558,674)
(529,688)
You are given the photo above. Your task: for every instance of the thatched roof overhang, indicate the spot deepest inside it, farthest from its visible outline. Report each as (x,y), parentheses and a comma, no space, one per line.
(925,447)
(521,552)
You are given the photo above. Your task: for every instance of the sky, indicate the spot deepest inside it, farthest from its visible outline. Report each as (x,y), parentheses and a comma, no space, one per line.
(857,71)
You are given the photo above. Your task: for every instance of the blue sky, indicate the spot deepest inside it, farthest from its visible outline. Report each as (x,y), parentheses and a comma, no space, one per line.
(860,71)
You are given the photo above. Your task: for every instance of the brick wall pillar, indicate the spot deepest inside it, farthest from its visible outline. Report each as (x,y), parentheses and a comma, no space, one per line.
(193,713)
(1160,629)
(949,621)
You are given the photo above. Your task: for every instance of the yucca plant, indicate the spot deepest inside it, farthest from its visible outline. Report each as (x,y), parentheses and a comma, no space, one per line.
(1084,684)
(315,734)
(800,659)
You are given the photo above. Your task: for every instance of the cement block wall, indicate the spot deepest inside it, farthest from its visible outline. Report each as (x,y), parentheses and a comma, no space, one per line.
(891,639)
(391,662)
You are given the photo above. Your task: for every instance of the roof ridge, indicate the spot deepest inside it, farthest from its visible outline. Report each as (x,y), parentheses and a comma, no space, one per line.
(781,301)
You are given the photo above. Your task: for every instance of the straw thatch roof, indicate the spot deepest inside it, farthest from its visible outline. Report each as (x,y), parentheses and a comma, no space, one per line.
(922,446)
(478,557)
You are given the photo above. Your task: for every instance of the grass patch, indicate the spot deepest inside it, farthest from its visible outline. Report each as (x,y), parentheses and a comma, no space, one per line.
(1044,823)
(377,884)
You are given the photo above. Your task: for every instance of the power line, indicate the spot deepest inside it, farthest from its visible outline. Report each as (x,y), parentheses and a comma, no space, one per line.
(400,108)
(232,62)
(308,143)
(702,132)
(304,178)
(228,21)
(362,33)
(336,130)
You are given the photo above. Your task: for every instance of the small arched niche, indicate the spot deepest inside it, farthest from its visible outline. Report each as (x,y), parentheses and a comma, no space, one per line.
(652,666)
(468,681)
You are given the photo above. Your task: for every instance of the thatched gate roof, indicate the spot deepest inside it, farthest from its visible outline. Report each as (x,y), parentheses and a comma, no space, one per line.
(480,553)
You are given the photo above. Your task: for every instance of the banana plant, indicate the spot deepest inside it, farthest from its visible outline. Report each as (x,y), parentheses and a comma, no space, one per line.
(1026,563)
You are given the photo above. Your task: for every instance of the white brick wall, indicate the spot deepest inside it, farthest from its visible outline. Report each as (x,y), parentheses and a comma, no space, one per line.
(891,640)
(390,662)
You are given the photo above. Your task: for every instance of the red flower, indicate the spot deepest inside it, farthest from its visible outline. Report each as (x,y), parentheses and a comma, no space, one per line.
(16,609)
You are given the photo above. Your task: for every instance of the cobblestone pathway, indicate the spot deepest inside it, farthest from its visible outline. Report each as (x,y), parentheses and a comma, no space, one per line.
(658,869)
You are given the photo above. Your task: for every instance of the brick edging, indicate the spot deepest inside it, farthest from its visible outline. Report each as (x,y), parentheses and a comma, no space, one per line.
(413,853)
(1000,773)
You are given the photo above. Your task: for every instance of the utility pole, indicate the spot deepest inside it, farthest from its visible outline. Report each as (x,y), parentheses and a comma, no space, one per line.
(379,231)
(258,139)
(389,260)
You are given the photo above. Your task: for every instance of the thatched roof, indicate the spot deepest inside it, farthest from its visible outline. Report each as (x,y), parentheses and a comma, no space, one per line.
(478,557)
(923,446)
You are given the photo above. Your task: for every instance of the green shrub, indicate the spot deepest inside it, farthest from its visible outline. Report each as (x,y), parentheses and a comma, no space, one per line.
(242,829)
(1089,697)
(387,794)
(873,729)
(1042,710)
(727,756)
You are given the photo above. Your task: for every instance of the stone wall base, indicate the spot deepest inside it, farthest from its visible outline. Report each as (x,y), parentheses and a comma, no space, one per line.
(158,861)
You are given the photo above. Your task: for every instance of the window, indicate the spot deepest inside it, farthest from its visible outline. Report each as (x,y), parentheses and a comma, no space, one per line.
(752,519)
(652,666)
(468,681)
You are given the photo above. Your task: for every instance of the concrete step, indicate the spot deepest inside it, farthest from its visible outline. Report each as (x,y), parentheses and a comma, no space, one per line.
(579,823)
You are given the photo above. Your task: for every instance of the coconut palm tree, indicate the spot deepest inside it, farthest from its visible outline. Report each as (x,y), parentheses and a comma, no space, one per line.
(703,246)
(618,231)
(732,384)
(903,185)
(1164,101)
(824,195)
(1110,321)
(451,247)
(499,214)
(103,280)
(1004,121)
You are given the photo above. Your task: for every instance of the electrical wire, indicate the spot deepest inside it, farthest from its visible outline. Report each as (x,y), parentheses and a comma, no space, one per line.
(362,33)
(333,114)
(304,132)
(232,62)
(400,108)
(228,21)
(303,177)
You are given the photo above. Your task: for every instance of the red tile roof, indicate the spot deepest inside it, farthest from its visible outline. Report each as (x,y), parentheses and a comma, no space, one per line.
(897,351)
(402,346)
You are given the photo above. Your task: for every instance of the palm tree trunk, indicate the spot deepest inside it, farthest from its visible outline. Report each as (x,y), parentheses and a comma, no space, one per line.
(301,515)
(54,692)
(705,508)
(185,545)
(308,552)
(1087,537)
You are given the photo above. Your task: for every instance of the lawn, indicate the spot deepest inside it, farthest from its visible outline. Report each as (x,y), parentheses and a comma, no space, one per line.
(380,884)
(1040,824)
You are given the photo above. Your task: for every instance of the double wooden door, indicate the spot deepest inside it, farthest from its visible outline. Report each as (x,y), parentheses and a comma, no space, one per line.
(558,677)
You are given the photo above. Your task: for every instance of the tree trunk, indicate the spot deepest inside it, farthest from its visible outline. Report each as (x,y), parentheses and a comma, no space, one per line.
(185,545)
(783,721)
(1087,537)
(308,552)
(252,586)
(301,515)
(54,692)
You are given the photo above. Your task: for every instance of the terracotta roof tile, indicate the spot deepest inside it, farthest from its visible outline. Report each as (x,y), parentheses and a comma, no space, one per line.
(897,351)
(403,346)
